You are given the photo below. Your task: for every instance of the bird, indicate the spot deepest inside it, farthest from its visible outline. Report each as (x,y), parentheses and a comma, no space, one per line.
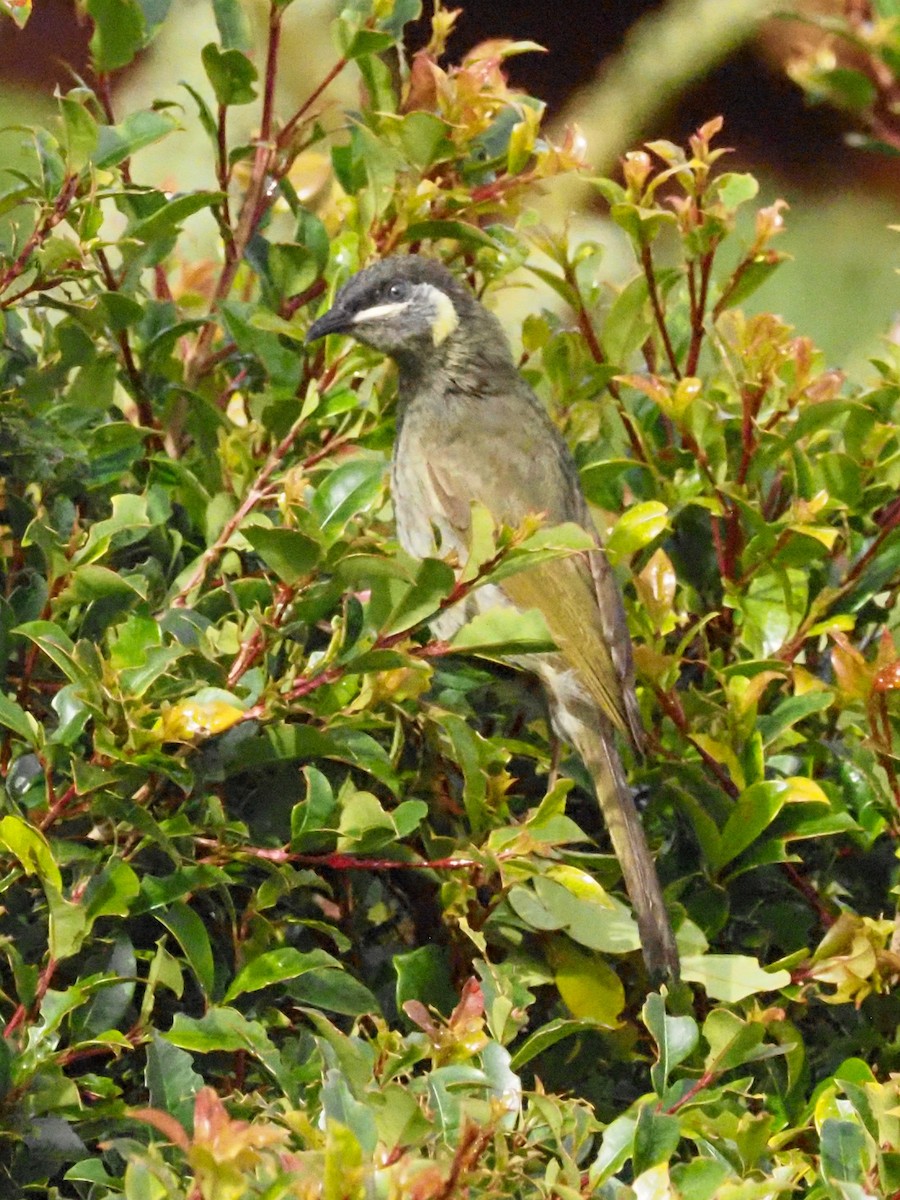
(470,429)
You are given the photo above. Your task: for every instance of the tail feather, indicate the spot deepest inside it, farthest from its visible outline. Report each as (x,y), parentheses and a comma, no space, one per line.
(598,751)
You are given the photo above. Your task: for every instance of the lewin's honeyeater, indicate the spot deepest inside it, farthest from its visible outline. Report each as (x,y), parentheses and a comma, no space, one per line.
(470,429)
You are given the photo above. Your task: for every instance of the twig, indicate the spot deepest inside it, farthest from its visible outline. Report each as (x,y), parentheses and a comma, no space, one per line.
(144,407)
(698,313)
(287,132)
(40,991)
(255,493)
(672,707)
(658,311)
(38,236)
(348,862)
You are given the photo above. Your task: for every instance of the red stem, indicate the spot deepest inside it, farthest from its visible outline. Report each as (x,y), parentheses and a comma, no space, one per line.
(40,991)
(38,236)
(658,312)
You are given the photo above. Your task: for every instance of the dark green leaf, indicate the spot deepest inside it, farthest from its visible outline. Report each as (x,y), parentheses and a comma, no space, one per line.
(119,32)
(231,74)
(289,553)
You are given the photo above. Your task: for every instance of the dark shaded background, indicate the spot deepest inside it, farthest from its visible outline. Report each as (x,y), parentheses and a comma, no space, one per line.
(766,115)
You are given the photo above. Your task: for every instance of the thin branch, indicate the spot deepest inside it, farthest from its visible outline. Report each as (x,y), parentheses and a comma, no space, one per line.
(144,407)
(671,705)
(698,313)
(658,311)
(20,1015)
(38,236)
(287,132)
(347,862)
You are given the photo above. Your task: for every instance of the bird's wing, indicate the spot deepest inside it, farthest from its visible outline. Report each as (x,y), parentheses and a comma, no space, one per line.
(579,602)
(563,592)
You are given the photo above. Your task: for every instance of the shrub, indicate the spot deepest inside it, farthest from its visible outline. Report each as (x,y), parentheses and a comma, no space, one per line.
(290,907)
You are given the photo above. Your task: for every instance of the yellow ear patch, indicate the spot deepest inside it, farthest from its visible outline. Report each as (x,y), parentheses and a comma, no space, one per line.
(445,318)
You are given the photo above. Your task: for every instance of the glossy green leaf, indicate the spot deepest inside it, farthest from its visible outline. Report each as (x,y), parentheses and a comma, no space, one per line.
(275,966)
(656,1137)
(350,489)
(191,935)
(637,528)
(502,631)
(589,987)
(676,1038)
(16,719)
(732,977)
(31,848)
(289,553)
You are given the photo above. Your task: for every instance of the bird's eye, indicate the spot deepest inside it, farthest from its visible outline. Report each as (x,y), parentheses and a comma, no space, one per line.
(396,291)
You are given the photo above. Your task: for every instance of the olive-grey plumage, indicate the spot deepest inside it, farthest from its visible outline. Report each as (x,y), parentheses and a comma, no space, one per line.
(470,429)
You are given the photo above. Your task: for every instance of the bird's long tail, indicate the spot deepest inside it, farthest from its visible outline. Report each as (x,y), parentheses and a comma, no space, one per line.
(600,755)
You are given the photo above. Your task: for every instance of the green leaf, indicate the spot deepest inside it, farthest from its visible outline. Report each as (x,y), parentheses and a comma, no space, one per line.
(529,909)
(700,1179)
(771,609)
(231,74)
(424,975)
(751,278)
(289,553)
(17,10)
(676,1038)
(339,1105)
(791,711)
(233,24)
(844,1156)
(502,631)
(172,1082)
(637,528)
(731,977)
(118,142)
(364,42)
(292,743)
(851,89)
(222,1028)
(168,217)
(81,133)
(31,848)
(593,918)
(548,1035)
(92,582)
(313,820)
(628,323)
(588,986)
(274,966)
(615,1148)
(434,580)
(119,32)
(756,808)
(733,1042)
(16,719)
(735,188)
(425,138)
(350,489)
(69,923)
(190,933)
(56,644)
(656,1138)
(111,892)
(455,231)
(333,989)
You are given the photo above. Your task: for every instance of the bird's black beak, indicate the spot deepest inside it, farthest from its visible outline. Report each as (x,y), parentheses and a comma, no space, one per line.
(334,321)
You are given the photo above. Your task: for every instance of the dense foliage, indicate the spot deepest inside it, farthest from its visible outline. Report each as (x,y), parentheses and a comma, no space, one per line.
(294,900)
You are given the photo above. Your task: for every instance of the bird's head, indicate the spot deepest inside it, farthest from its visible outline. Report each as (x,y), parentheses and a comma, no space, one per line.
(406,306)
